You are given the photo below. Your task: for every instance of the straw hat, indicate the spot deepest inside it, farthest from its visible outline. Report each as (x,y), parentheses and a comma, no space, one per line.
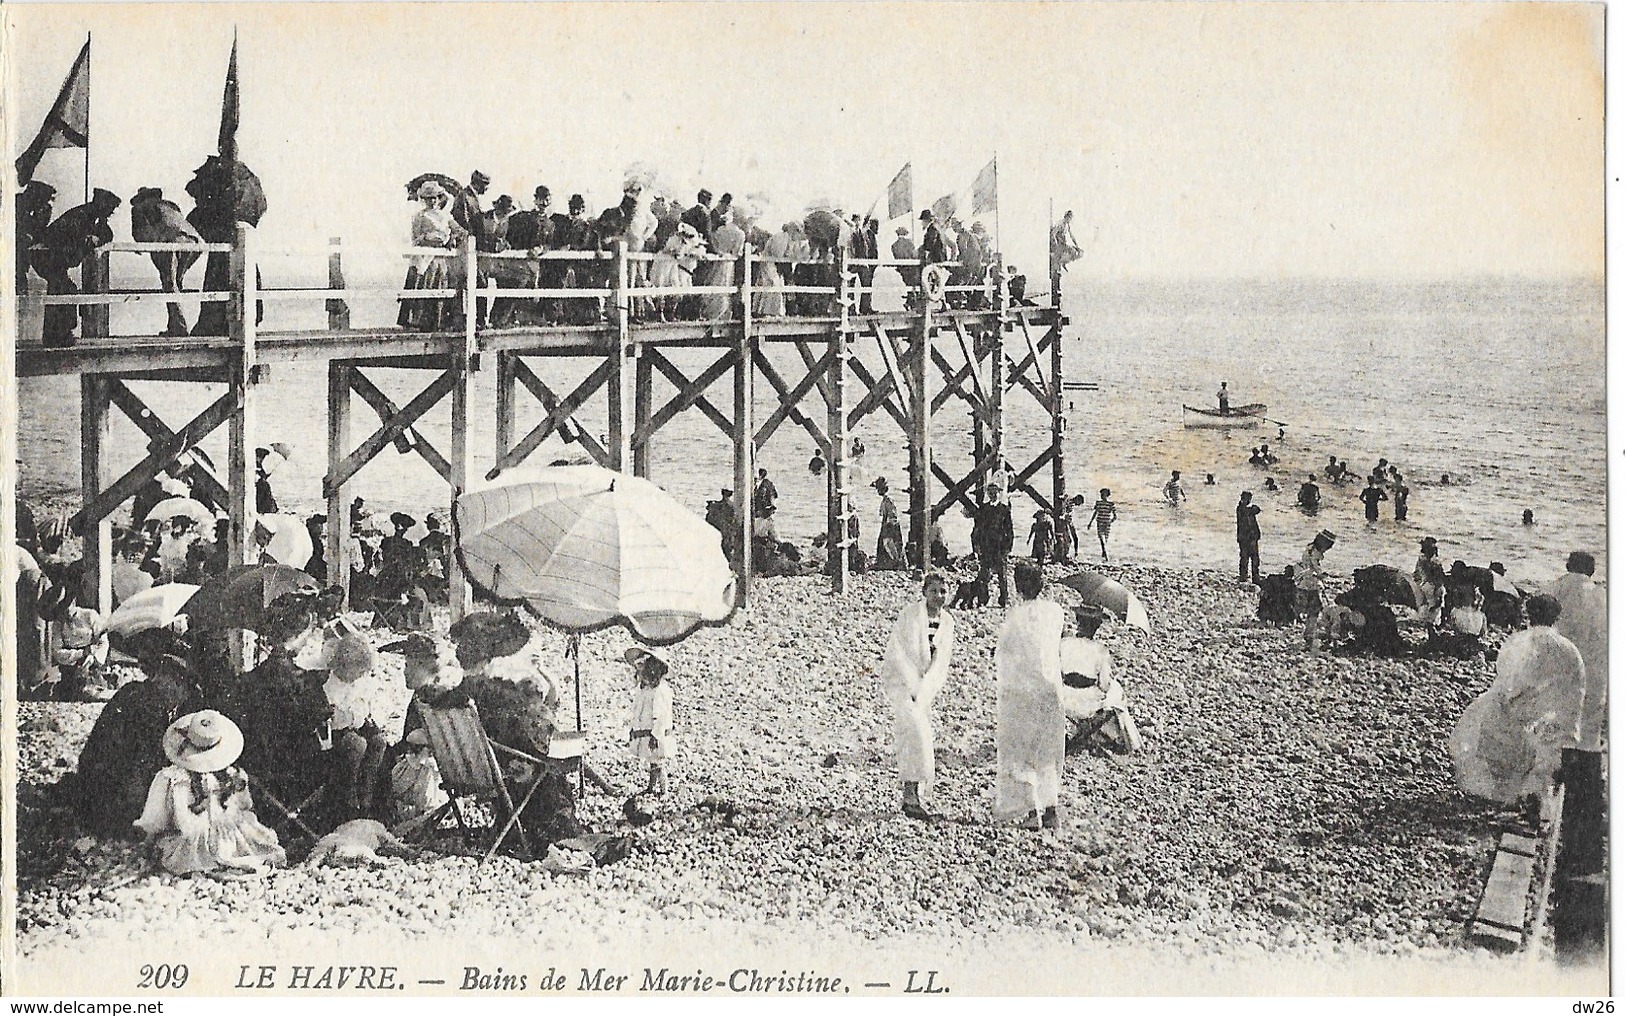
(430,189)
(203,742)
(633,654)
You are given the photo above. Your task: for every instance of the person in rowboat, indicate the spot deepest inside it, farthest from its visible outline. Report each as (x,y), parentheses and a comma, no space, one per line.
(1224,398)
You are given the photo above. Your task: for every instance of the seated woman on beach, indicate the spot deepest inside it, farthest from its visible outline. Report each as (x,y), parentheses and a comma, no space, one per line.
(279,705)
(124,751)
(199,817)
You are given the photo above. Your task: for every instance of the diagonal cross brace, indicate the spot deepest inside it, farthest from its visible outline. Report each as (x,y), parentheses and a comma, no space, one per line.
(805,349)
(386,409)
(125,487)
(558,411)
(159,433)
(958,489)
(1020,482)
(689,393)
(953,384)
(394,427)
(879,396)
(790,400)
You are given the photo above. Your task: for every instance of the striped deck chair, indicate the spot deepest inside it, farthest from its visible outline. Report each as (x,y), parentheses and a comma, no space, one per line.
(470,768)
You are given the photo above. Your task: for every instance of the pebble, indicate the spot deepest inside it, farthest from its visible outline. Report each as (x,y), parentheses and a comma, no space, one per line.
(783,805)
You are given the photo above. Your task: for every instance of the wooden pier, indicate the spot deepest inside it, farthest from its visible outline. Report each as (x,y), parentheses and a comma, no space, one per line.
(905,365)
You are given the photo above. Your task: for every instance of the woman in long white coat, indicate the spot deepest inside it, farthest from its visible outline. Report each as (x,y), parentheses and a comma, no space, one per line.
(915,669)
(1032,724)
(1510,740)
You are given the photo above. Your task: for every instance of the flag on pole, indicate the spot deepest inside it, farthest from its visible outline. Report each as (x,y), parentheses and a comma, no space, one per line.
(945,206)
(985,190)
(67,125)
(229,109)
(900,193)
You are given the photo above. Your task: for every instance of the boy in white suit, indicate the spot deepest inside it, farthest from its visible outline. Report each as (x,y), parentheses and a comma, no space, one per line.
(915,669)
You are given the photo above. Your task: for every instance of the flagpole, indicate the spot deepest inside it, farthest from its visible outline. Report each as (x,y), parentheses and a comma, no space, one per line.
(87,117)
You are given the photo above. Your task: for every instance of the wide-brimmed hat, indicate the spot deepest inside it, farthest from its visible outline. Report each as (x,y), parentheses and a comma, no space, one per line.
(429,189)
(1327,535)
(879,483)
(634,653)
(147,194)
(203,742)
(902,230)
(502,203)
(401,520)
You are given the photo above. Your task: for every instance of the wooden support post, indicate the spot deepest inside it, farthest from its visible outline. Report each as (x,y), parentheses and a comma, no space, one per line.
(338,311)
(337,552)
(995,397)
(460,593)
(839,443)
(620,319)
(240,458)
(919,441)
(642,409)
(744,435)
(507,381)
(95,273)
(471,304)
(97,591)
(1057,400)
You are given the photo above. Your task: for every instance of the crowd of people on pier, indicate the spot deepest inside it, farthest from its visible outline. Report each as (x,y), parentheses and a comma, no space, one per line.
(52,246)
(693,246)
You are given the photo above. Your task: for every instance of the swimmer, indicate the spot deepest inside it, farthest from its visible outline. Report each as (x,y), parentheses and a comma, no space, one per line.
(1174,491)
(1209,481)
(1270,484)
(1528,516)
(1444,480)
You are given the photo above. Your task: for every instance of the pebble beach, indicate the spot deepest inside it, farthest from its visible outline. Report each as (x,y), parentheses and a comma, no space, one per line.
(1288,807)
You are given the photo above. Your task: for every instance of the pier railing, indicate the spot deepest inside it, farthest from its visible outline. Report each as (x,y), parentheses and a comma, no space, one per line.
(582,277)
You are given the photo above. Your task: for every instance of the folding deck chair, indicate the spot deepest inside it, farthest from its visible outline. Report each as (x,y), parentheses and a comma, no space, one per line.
(469,768)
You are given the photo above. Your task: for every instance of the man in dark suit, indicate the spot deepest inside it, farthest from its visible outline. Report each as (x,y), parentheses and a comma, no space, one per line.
(225,194)
(933,250)
(33,216)
(68,241)
(467,208)
(699,216)
(992,537)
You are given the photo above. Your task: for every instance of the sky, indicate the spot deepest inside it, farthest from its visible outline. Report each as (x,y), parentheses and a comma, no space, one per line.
(1372,140)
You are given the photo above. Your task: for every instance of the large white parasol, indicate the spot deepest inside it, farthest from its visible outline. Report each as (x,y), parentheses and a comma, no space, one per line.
(586,548)
(152,608)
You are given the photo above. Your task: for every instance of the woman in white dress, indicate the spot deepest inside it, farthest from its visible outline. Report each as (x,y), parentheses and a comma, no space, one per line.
(915,669)
(1031,723)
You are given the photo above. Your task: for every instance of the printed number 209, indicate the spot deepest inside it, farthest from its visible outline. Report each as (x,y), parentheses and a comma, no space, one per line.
(163,976)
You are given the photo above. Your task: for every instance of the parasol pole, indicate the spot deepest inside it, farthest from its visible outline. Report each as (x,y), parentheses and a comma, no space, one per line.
(581,767)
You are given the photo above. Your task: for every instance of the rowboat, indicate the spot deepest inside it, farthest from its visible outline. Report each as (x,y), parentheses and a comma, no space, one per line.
(1239,416)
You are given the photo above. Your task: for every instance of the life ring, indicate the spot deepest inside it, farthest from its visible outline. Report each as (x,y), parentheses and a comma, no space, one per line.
(935,283)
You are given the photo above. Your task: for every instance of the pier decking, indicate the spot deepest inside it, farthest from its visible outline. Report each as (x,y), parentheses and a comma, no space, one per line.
(921,359)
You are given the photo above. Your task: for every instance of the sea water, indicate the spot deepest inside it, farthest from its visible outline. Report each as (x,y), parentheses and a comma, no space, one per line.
(1499,383)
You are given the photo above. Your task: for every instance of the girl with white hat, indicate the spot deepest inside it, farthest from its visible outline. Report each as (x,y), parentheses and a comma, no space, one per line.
(651,724)
(199,816)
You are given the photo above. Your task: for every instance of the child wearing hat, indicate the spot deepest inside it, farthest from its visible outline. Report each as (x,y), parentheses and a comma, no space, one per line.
(352,691)
(199,817)
(651,734)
